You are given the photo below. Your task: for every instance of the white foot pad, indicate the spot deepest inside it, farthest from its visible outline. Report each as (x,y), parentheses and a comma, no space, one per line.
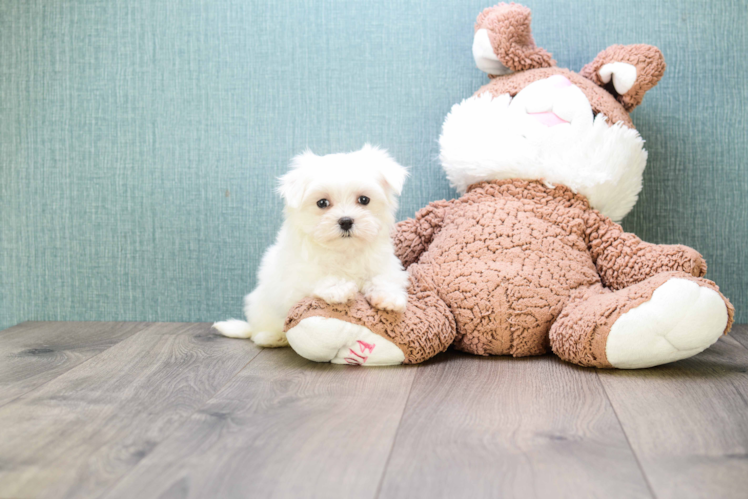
(679,321)
(329,339)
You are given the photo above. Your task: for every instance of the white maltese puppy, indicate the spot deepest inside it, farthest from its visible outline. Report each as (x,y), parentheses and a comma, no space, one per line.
(334,242)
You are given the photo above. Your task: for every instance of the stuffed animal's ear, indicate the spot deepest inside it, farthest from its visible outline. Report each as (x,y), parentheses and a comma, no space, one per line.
(503,41)
(627,71)
(292,186)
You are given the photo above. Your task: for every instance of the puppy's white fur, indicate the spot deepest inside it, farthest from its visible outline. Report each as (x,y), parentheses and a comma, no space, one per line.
(314,256)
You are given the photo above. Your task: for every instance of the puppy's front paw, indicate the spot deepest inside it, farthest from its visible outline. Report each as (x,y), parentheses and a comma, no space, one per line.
(336,291)
(388,300)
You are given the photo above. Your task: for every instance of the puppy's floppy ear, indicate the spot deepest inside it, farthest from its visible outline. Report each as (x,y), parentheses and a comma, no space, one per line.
(393,174)
(293,184)
(627,71)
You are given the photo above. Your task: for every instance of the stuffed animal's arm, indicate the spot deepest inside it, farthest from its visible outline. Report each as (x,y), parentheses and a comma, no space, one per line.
(622,259)
(412,237)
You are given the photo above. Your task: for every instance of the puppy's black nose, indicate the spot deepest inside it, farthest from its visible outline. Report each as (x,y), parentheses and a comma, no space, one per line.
(345,223)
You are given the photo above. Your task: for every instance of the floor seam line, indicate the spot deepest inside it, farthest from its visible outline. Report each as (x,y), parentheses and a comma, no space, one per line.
(625,435)
(262,349)
(149,324)
(397,432)
(731,334)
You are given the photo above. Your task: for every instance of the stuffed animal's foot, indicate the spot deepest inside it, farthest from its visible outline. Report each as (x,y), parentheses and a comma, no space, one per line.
(328,339)
(359,333)
(680,320)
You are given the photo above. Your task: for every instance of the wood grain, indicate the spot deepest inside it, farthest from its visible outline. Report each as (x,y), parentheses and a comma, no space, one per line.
(284,427)
(504,427)
(78,434)
(740,333)
(173,410)
(34,353)
(687,422)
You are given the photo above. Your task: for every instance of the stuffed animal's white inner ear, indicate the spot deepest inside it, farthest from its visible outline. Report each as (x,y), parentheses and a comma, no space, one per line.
(624,75)
(484,56)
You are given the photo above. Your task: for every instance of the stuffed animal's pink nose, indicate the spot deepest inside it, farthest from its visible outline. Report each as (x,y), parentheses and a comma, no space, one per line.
(549,118)
(559,81)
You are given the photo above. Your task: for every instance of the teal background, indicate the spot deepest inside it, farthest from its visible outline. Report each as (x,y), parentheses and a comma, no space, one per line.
(140,140)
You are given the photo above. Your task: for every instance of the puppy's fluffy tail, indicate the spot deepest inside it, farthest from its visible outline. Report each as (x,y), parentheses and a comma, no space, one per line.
(234,328)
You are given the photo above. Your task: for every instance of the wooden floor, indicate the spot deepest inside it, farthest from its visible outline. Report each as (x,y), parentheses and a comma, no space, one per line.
(172,410)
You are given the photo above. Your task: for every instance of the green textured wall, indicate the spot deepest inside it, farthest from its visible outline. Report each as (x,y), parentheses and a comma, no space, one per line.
(139,140)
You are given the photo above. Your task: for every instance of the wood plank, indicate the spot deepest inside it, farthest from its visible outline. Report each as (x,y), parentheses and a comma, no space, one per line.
(505,427)
(740,333)
(81,432)
(687,422)
(34,353)
(284,427)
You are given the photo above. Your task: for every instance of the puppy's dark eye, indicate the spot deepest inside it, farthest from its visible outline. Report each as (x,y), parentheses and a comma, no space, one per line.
(323,203)
(363,200)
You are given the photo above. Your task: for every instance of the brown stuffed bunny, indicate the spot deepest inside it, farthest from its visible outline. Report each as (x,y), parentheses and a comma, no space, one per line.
(530,258)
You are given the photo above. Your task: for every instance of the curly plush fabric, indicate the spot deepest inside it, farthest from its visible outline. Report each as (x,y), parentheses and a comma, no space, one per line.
(649,64)
(493,270)
(622,259)
(425,329)
(508,27)
(413,236)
